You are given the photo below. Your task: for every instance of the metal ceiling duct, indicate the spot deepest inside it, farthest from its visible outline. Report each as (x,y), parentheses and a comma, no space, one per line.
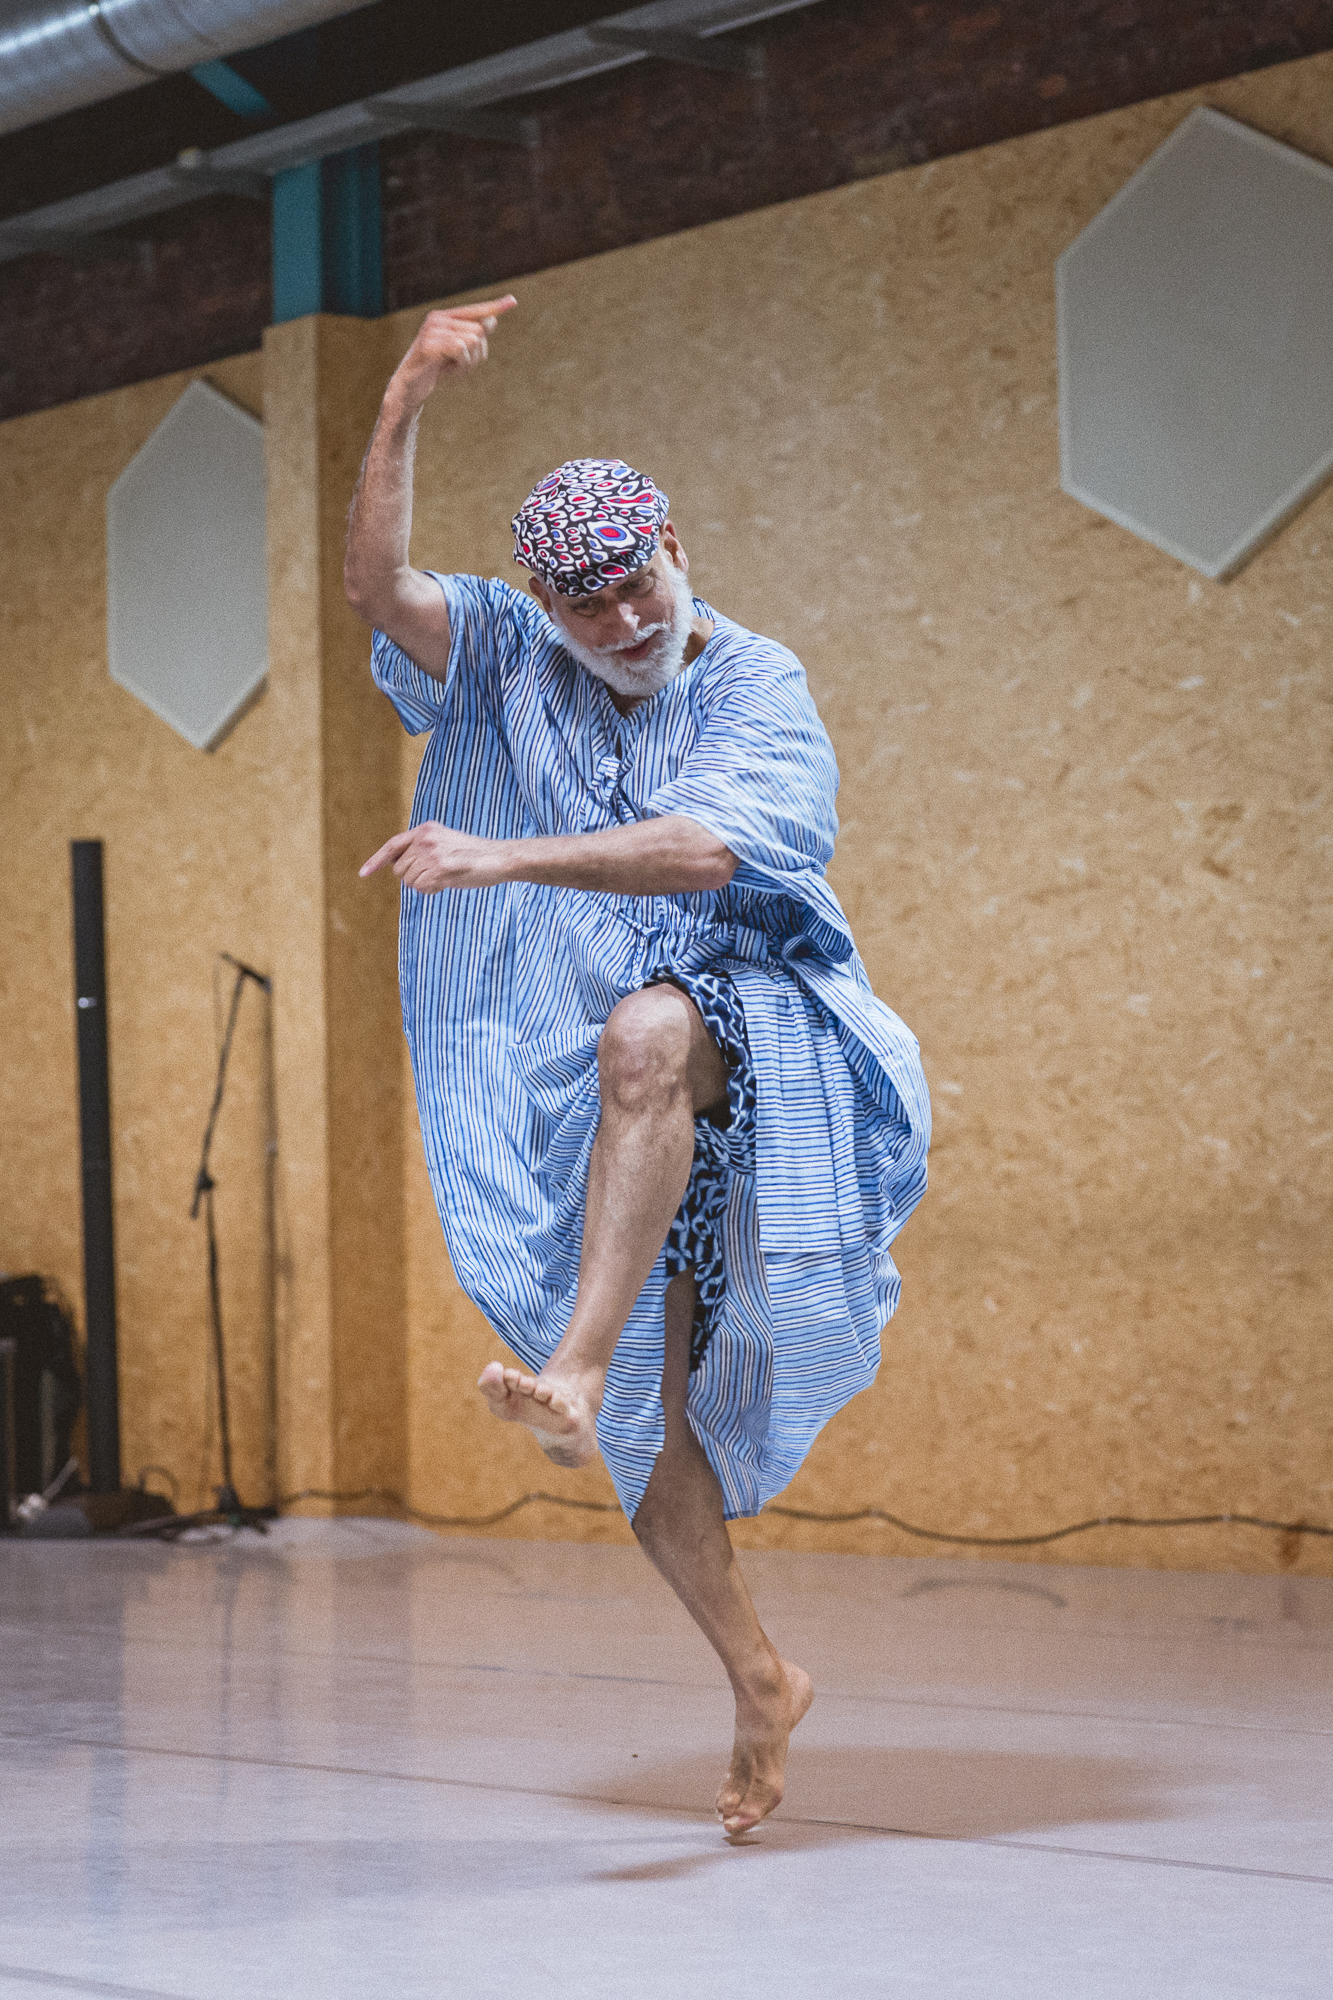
(56,57)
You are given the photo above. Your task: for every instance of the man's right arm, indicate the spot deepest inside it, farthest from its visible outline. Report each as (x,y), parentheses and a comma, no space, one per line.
(381,584)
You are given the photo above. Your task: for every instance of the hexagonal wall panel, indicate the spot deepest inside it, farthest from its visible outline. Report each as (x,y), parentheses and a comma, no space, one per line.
(187,592)
(1196,344)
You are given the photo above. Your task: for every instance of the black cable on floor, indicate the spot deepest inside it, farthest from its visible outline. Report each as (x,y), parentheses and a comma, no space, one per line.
(451,1520)
(1057,1534)
(835,1520)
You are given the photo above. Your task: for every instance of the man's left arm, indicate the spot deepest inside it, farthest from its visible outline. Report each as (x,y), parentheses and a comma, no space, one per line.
(669,856)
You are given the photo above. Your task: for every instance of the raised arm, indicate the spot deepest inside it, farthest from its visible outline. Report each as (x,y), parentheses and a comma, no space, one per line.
(380,581)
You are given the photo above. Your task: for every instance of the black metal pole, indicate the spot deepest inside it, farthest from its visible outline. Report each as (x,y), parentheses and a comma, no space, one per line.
(228,1502)
(230,1509)
(99,1252)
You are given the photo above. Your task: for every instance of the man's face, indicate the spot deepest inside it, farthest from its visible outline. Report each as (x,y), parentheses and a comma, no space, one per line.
(633,634)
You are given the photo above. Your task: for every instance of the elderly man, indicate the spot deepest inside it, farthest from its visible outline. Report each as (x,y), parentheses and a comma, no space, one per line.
(670,1130)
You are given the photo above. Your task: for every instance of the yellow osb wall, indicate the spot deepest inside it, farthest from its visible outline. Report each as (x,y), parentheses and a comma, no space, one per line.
(1083,827)
(1084,840)
(251,850)
(187,873)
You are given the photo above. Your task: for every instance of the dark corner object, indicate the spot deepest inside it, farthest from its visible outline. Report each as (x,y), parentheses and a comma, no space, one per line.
(43,1378)
(41,1393)
(44,1392)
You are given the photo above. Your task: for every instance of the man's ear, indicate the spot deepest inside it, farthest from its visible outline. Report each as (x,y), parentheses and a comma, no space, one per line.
(538,589)
(673,548)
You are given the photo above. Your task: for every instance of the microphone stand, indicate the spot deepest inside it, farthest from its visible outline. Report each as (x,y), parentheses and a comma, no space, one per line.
(230,1510)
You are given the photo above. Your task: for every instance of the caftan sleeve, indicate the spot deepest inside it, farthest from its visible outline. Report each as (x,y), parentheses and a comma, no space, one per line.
(491,628)
(763,778)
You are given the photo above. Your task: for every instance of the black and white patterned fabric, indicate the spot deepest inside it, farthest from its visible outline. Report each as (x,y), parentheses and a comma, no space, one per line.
(589,524)
(695,1240)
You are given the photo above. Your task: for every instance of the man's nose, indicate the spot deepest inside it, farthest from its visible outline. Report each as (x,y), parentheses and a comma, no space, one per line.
(629,617)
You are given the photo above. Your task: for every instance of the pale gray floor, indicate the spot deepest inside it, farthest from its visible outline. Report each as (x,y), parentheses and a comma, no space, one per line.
(357,1762)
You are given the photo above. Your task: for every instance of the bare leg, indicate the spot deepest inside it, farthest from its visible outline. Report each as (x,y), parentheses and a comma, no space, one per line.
(657,1067)
(680,1527)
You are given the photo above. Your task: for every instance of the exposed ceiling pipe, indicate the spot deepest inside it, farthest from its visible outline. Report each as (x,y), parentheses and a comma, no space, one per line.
(56,55)
(453,100)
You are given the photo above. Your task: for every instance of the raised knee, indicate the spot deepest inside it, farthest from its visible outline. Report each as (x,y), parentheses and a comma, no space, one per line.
(643,1051)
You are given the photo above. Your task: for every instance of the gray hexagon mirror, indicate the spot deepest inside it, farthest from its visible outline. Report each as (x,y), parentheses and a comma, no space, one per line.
(1196,344)
(187,592)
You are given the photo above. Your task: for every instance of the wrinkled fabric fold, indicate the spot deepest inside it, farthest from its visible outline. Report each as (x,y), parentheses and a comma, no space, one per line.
(506,991)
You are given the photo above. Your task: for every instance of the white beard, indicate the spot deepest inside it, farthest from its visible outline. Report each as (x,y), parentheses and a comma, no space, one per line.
(637,679)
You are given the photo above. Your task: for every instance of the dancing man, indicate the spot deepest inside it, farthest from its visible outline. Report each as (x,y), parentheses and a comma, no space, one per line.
(670,1130)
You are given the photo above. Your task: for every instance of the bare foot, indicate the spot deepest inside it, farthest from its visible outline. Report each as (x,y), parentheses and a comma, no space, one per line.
(764,1721)
(562,1419)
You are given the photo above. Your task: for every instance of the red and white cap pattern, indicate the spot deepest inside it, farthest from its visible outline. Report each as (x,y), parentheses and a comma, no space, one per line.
(589,524)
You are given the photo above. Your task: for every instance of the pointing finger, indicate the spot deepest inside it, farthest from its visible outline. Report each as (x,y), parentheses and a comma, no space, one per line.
(489,311)
(390,851)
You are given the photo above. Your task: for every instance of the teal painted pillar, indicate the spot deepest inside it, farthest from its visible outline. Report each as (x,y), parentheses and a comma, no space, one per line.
(298,254)
(327,254)
(353,256)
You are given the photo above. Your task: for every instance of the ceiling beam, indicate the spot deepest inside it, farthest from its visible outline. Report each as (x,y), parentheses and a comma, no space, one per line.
(497,127)
(708,52)
(200,173)
(453,100)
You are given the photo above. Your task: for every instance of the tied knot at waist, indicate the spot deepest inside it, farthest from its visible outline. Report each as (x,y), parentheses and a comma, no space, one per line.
(690,946)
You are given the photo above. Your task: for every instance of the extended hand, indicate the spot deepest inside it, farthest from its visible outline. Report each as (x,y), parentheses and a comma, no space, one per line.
(431,857)
(449,343)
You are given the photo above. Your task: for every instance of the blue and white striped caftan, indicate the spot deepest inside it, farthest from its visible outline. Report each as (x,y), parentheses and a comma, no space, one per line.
(506,990)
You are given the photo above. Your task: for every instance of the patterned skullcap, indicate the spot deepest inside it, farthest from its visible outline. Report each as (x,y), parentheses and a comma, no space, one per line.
(590,523)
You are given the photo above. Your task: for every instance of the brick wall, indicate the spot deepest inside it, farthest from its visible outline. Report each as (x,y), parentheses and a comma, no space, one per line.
(854,88)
